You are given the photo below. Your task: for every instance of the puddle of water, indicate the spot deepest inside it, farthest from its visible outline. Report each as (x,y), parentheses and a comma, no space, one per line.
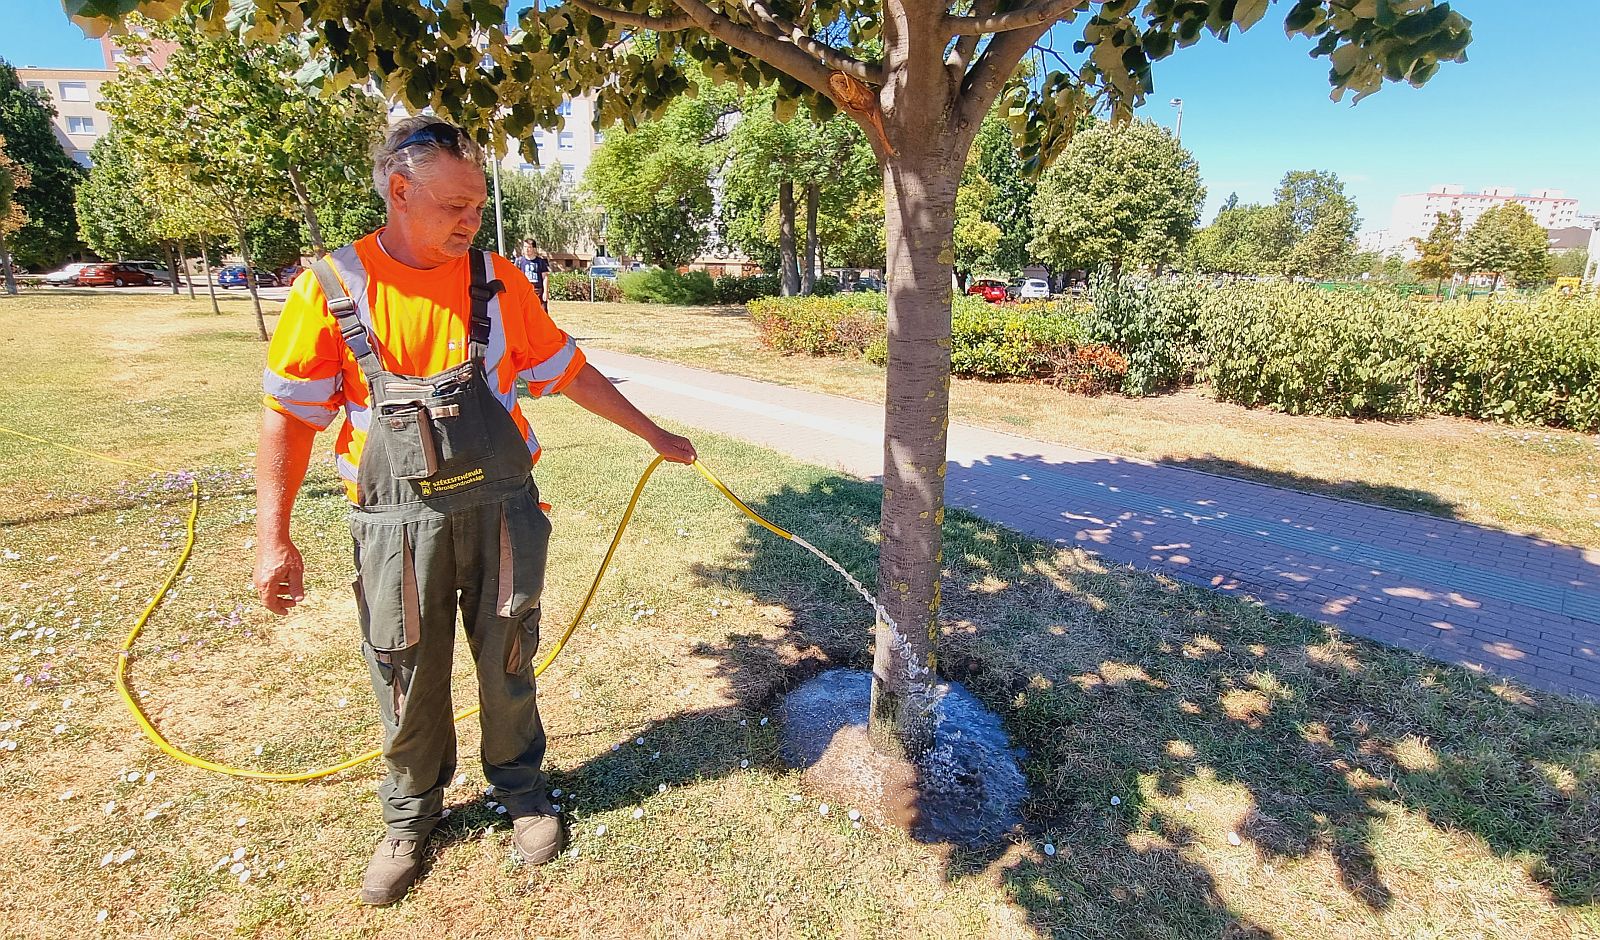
(967,789)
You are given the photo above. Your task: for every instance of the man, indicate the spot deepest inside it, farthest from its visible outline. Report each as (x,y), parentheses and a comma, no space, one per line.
(422,343)
(536,268)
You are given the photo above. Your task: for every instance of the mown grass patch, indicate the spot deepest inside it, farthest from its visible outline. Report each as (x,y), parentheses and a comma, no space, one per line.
(1372,793)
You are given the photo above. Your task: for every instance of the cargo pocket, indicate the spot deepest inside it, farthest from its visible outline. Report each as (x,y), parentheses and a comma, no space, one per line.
(388,601)
(523,642)
(455,414)
(524,542)
(413,451)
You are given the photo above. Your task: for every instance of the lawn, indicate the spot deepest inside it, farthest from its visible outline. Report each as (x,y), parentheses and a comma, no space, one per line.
(1536,481)
(1200,766)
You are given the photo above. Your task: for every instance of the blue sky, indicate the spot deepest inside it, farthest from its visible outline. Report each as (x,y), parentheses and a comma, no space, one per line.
(1523,112)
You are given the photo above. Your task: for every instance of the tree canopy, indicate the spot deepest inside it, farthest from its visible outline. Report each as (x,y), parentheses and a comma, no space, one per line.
(1505,242)
(116,215)
(1436,254)
(50,232)
(1121,194)
(1320,222)
(13,177)
(542,205)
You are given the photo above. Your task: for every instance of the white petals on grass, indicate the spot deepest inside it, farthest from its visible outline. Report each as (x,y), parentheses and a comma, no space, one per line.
(855,815)
(638,813)
(824,809)
(662,788)
(65,796)
(1050,849)
(1116,801)
(100,918)
(600,830)
(743,764)
(132,777)
(1233,839)
(501,810)
(108,859)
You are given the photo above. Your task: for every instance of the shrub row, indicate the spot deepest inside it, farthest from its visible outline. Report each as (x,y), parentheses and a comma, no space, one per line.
(1304,351)
(574,285)
(986,341)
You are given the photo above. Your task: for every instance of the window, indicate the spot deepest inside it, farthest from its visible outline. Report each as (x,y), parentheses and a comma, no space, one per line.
(35,83)
(599,137)
(80,125)
(569,172)
(74,91)
(568,142)
(565,110)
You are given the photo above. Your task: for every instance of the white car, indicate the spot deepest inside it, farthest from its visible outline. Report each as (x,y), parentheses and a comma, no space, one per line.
(66,277)
(1033,288)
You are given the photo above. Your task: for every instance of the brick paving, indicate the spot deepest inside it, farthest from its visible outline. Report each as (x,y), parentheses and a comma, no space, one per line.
(1509,604)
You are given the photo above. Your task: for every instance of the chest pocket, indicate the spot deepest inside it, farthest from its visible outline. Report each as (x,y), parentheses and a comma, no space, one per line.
(434,426)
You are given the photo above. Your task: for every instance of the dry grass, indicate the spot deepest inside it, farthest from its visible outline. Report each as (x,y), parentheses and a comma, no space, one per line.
(1537,481)
(1373,794)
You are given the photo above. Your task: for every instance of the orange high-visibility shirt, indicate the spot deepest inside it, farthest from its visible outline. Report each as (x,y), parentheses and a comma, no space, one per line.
(420,320)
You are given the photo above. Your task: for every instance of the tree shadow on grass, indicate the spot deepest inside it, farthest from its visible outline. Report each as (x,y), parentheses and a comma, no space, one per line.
(1116,682)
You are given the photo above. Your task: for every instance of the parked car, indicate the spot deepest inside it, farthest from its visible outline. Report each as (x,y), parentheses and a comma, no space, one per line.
(990,289)
(234,276)
(117,274)
(65,276)
(159,273)
(289,272)
(867,285)
(1033,288)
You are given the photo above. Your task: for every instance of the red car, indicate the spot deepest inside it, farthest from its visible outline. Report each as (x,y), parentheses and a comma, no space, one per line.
(116,275)
(989,289)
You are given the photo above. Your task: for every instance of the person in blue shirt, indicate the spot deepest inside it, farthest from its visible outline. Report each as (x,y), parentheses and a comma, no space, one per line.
(536,268)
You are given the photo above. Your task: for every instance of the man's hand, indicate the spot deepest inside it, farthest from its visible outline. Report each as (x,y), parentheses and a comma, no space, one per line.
(279,573)
(674,447)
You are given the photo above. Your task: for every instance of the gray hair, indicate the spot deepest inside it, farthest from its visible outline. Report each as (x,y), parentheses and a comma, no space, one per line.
(388,158)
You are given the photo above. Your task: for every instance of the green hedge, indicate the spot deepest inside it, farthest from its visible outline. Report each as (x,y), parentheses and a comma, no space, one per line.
(742,290)
(574,285)
(661,286)
(1041,342)
(1529,359)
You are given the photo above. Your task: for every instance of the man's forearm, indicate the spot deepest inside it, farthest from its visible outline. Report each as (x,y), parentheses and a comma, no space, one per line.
(282,456)
(597,395)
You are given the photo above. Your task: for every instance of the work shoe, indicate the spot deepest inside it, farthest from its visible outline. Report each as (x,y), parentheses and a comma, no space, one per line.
(537,839)
(394,866)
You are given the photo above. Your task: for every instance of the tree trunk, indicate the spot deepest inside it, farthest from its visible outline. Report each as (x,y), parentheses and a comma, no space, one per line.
(183,260)
(172,264)
(6,268)
(313,227)
(1494,282)
(808,278)
(205,271)
(787,264)
(250,277)
(920,201)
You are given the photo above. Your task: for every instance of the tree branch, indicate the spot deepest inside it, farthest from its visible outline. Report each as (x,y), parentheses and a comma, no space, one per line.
(961,56)
(662,24)
(1042,13)
(777,27)
(784,54)
(993,69)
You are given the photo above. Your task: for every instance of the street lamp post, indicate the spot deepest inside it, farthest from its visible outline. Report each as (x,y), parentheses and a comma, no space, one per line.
(1177,131)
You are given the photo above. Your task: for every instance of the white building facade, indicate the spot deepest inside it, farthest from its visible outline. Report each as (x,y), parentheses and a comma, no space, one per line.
(1414,213)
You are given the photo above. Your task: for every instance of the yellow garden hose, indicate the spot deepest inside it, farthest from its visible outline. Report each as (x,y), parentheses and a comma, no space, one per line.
(120,675)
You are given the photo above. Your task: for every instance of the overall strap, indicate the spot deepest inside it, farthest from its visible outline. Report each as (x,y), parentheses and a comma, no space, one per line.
(343,308)
(483,291)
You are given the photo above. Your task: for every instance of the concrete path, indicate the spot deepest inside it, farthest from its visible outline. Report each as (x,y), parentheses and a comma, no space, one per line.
(1519,606)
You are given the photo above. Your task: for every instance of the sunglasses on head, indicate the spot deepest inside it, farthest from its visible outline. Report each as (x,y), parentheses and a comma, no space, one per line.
(438,134)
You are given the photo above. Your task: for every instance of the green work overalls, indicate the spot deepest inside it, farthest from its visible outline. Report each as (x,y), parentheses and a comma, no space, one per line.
(447,518)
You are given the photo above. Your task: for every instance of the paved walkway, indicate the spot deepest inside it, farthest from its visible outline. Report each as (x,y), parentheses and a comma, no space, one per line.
(1519,606)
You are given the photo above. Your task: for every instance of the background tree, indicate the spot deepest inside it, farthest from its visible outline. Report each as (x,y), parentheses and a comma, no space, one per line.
(541,205)
(654,182)
(116,216)
(1011,209)
(1242,239)
(918,78)
(50,233)
(13,178)
(1120,195)
(975,238)
(1436,253)
(1506,242)
(1569,263)
(1321,222)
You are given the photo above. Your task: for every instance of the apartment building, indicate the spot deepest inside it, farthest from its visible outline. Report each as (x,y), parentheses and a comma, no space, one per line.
(75,94)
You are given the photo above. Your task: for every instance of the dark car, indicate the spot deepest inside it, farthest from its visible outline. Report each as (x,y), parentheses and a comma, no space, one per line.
(234,276)
(990,289)
(113,274)
(867,285)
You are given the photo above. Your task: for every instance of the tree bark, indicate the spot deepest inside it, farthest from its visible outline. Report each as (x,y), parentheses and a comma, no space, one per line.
(313,227)
(787,263)
(172,265)
(6,267)
(205,271)
(808,277)
(183,261)
(250,277)
(920,199)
